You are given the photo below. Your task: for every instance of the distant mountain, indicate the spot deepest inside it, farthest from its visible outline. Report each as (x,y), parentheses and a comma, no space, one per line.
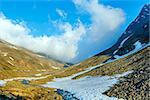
(22,62)
(135,36)
(49,57)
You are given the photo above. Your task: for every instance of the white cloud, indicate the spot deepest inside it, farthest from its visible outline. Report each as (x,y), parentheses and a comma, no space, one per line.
(75,39)
(61,13)
(62,47)
(105,19)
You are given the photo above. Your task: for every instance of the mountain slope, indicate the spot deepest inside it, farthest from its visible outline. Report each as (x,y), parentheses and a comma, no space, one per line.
(126,78)
(129,54)
(136,33)
(135,37)
(135,85)
(22,62)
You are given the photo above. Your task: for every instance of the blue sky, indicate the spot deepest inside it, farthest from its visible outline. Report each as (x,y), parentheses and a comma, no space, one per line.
(44,17)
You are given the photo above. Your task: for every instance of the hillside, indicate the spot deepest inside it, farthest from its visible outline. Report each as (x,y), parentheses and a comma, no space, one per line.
(135,85)
(125,78)
(18,64)
(135,37)
(120,72)
(129,54)
(23,62)
(137,32)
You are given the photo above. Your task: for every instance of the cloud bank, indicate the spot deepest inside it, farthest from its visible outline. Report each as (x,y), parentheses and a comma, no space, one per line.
(105,19)
(62,47)
(65,47)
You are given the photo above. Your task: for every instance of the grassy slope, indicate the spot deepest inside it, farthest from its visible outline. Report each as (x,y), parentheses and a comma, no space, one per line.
(29,92)
(130,62)
(95,60)
(22,62)
(19,62)
(33,91)
(73,69)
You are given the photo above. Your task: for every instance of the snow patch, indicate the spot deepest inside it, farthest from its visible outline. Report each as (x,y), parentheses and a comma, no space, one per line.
(121,44)
(5,54)
(146,9)
(38,74)
(10,63)
(77,64)
(26,78)
(55,67)
(136,19)
(87,88)
(40,56)
(11,58)
(10,46)
(138,47)
(145,26)
(2,83)
(115,51)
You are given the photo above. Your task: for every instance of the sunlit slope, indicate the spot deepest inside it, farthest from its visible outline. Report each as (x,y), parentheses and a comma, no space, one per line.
(16,61)
(134,61)
(93,61)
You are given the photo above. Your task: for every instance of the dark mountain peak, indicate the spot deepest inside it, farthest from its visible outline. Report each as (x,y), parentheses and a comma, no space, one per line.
(146,8)
(137,33)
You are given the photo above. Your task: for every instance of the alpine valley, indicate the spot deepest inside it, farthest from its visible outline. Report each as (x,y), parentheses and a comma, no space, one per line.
(120,72)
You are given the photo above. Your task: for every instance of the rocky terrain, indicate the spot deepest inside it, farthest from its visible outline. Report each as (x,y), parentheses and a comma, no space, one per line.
(25,72)
(134,86)
(129,56)
(138,30)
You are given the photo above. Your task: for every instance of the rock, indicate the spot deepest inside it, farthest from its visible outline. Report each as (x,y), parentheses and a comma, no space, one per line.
(26,82)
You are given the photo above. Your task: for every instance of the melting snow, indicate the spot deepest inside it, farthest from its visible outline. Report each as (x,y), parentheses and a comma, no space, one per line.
(121,44)
(145,26)
(38,74)
(11,58)
(13,47)
(5,54)
(10,63)
(138,46)
(115,51)
(136,19)
(55,67)
(87,88)
(2,83)
(146,9)
(26,78)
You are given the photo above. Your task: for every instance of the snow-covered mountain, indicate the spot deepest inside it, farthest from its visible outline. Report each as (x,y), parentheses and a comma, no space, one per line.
(135,36)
